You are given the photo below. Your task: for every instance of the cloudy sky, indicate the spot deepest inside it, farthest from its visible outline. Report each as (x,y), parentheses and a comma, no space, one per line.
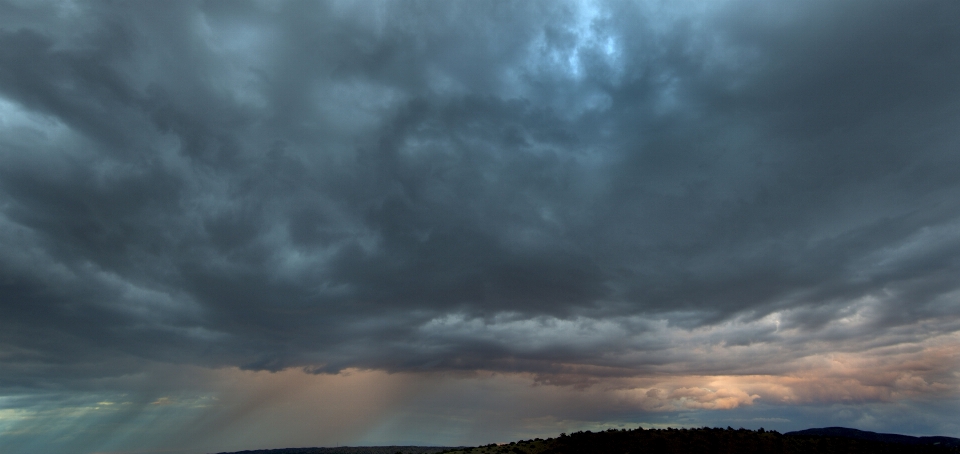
(260,224)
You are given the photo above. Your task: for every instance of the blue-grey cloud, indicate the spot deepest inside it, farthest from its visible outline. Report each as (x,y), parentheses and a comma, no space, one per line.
(571,190)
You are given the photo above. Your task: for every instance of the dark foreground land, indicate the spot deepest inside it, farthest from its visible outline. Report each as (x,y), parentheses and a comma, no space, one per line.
(832,440)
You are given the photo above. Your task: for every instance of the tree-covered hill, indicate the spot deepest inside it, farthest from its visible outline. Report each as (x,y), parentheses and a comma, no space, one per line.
(831,440)
(702,441)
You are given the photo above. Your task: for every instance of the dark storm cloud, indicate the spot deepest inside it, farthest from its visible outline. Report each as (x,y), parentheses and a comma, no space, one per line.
(484,185)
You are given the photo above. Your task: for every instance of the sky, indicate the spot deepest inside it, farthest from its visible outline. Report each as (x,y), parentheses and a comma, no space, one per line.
(265,224)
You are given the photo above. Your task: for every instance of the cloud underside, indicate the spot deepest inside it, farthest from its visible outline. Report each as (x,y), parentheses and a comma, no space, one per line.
(686,206)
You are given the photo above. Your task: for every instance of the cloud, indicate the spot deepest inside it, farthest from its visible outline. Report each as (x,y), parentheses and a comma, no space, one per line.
(582,194)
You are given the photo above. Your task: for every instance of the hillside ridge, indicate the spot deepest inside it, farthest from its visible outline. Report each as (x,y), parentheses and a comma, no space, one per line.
(827,440)
(845,432)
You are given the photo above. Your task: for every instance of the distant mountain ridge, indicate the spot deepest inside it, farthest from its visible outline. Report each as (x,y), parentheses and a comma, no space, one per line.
(351,450)
(844,432)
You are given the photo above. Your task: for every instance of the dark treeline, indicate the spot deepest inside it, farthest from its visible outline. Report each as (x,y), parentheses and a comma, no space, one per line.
(705,441)
(834,440)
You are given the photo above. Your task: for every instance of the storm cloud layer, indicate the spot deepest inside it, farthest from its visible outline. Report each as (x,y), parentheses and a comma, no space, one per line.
(588,192)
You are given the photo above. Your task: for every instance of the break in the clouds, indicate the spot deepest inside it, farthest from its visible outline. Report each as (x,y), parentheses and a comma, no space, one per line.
(683,208)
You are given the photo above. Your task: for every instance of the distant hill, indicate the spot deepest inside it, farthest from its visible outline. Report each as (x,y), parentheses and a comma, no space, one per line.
(353,450)
(830,440)
(844,432)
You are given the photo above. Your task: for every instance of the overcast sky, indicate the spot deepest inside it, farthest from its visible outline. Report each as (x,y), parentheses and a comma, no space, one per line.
(239,225)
